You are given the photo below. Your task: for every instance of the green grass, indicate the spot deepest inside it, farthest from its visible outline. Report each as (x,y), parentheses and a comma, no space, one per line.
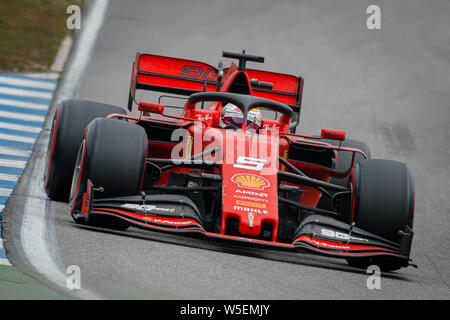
(16,285)
(31,32)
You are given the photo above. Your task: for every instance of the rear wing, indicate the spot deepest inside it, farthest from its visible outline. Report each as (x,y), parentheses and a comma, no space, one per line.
(286,89)
(185,77)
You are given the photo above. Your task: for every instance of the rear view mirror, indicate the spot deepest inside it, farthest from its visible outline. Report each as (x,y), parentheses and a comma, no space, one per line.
(151,107)
(333,134)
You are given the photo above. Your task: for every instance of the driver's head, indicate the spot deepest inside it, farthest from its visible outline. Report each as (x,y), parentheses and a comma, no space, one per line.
(232,117)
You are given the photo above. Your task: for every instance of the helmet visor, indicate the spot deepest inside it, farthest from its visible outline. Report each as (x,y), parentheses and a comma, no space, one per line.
(232,116)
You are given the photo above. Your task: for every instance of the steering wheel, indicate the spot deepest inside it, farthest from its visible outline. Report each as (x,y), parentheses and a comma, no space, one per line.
(244,102)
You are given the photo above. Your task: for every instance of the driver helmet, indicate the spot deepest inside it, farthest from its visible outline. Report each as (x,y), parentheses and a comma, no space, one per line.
(232,117)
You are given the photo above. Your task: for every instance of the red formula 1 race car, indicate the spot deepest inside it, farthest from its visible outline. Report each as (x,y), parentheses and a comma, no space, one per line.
(229,167)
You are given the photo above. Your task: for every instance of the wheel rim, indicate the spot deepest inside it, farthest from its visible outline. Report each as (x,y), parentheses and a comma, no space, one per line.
(77,172)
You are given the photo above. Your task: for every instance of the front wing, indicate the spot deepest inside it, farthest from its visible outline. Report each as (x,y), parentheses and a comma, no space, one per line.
(178,214)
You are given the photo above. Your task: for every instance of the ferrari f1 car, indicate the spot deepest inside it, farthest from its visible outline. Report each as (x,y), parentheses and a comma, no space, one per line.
(261,185)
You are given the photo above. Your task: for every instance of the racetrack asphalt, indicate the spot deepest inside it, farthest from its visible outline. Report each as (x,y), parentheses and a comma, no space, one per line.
(388,87)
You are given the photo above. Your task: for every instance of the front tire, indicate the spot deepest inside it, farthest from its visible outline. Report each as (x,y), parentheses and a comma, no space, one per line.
(384,205)
(112,155)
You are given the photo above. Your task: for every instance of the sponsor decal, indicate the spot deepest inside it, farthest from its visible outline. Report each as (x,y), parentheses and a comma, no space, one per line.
(251,195)
(197,72)
(250,163)
(250,181)
(86,200)
(251,204)
(204,118)
(273,127)
(253,210)
(332,246)
(339,235)
(250,198)
(146,207)
(165,221)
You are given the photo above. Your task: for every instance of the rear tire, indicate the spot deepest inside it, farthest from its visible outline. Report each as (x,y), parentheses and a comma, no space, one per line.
(112,155)
(384,204)
(69,123)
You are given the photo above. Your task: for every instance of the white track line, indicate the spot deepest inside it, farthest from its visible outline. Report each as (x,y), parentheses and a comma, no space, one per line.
(62,54)
(48,75)
(84,48)
(24,104)
(5,262)
(11,137)
(13,163)
(26,93)
(19,127)
(9,177)
(21,116)
(5,192)
(15,152)
(28,83)
(41,251)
